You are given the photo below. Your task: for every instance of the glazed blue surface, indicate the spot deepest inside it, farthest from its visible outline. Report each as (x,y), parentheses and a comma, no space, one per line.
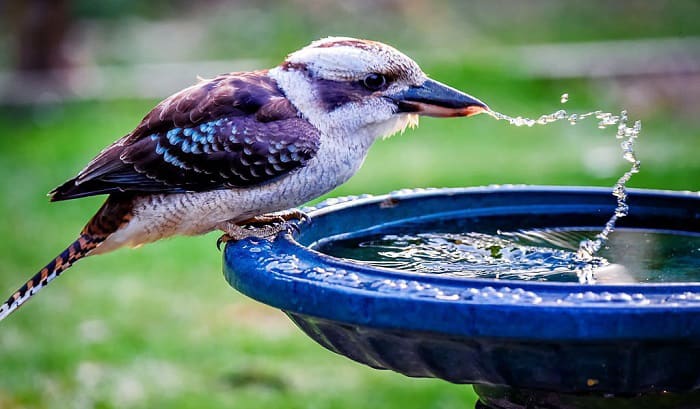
(539,335)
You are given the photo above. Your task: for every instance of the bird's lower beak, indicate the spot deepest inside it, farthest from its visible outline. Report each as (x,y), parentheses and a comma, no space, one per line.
(435,99)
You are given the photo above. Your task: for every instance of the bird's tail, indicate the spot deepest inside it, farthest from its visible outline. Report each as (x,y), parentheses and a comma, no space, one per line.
(77,250)
(113,214)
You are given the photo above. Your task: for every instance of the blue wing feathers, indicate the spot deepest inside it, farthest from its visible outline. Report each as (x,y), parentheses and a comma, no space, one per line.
(237,130)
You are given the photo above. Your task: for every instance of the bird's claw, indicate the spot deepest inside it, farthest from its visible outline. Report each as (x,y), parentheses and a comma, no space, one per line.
(225,238)
(275,218)
(236,232)
(292,227)
(302,216)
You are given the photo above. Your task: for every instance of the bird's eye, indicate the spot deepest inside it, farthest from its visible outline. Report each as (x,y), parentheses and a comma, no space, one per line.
(374,81)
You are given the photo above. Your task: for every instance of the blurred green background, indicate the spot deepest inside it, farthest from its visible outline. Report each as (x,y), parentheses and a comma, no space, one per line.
(158,327)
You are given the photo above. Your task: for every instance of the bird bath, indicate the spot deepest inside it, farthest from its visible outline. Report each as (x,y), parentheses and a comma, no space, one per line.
(523,344)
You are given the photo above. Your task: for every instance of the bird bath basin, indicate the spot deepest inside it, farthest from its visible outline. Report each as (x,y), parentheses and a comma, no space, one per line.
(523,344)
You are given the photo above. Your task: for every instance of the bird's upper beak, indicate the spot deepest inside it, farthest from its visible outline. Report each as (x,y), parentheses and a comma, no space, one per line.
(436,99)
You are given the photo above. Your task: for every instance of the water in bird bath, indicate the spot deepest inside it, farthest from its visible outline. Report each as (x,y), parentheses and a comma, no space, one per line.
(503,250)
(547,254)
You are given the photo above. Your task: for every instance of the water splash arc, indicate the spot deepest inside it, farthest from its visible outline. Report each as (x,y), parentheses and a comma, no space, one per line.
(627,134)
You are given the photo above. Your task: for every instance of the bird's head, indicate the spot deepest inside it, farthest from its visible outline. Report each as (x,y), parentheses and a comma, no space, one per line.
(341,82)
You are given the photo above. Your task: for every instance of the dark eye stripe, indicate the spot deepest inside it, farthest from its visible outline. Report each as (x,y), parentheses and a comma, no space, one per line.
(335,94)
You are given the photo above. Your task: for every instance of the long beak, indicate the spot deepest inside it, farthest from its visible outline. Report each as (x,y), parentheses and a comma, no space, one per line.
(436,99)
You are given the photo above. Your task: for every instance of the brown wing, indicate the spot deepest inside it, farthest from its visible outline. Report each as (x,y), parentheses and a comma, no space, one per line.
(236,130)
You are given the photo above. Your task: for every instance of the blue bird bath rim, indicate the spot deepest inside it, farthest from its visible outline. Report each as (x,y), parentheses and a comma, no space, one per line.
(546,336)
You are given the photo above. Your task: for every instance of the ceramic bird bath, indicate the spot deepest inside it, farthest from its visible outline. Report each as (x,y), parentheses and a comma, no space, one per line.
(522,344)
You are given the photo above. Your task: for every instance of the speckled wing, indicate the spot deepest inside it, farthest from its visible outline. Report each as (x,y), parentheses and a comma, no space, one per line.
(237,130)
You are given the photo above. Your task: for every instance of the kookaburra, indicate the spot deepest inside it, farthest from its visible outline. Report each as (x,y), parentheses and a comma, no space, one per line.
(229,151)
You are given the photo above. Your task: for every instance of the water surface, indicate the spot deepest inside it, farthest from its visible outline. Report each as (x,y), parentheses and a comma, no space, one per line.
(550,254)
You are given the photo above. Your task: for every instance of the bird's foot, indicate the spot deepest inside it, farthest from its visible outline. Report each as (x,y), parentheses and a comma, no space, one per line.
(263,226)
(234,232)
(279,217)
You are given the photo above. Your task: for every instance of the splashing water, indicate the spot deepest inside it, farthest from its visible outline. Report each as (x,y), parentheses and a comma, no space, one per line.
(453,248)
(589,247)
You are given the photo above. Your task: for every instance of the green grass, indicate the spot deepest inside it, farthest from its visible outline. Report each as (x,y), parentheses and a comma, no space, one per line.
(159,326)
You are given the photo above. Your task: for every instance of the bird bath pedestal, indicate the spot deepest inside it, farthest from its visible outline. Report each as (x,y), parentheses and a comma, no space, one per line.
(522,344)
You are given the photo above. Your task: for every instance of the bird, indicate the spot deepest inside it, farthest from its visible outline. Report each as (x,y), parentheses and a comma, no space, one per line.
(239,152)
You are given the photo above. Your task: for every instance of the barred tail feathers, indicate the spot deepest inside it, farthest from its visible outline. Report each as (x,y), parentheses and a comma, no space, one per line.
(114,213)
(77,250)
